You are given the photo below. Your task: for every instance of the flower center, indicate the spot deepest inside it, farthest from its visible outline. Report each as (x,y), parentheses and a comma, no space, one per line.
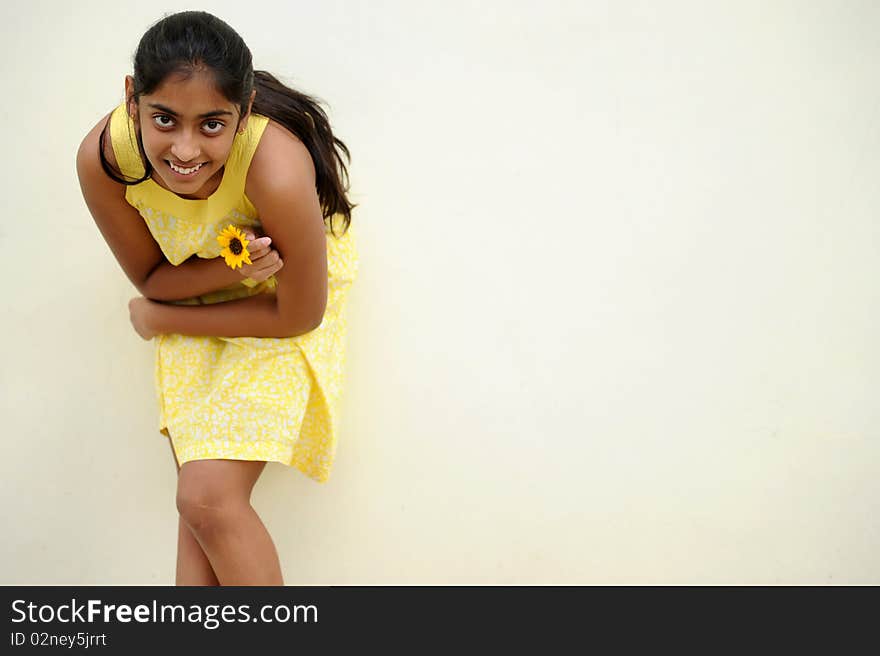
(235,246)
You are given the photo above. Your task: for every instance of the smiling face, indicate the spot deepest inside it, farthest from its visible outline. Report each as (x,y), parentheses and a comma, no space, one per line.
(187,127)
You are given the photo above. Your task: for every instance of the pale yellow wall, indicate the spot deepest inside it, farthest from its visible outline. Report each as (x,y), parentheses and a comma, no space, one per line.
(617,313)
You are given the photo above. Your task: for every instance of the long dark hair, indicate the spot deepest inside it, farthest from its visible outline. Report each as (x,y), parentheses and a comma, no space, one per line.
(186,41)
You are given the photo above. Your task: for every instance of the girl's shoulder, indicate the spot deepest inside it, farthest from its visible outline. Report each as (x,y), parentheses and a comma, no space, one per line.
(91,144)
(279,150)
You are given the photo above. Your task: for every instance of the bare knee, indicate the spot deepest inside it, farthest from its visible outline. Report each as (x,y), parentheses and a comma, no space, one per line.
(205,513)
(213,493)
(206,505)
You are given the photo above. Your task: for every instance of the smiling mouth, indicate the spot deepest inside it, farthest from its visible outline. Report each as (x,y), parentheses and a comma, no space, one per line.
(180,170)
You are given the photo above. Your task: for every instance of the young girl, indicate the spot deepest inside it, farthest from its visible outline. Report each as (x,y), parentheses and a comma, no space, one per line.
(206,156)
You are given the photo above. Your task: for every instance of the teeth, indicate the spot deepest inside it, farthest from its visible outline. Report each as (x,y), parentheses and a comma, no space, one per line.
(184,171)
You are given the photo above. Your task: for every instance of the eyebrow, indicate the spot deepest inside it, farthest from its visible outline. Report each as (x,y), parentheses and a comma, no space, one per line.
(168,110)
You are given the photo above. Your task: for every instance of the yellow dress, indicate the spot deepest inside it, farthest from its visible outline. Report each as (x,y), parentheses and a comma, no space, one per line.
(243,398)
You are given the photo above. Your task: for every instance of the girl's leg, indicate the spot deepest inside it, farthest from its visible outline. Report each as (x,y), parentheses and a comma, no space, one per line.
(193,566)
(213,497)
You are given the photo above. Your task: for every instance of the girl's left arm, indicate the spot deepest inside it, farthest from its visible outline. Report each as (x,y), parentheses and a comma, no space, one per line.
(281,186)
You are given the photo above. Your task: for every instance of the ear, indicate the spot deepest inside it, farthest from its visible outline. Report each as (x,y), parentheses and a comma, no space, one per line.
(242,123)
(130,104)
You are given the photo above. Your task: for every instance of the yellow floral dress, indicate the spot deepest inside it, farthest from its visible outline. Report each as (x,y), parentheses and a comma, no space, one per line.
(243,398)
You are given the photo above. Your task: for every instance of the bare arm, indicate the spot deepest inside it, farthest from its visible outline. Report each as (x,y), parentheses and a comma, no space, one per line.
(193,277)
(281,185)
(130,240)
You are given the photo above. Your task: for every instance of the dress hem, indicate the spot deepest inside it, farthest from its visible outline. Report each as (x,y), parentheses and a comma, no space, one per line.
(263,451)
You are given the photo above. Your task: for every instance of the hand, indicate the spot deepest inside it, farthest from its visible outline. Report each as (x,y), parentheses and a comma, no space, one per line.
(265,260)
(140,311)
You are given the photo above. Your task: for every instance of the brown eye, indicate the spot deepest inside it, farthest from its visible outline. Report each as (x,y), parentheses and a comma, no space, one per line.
(218,126)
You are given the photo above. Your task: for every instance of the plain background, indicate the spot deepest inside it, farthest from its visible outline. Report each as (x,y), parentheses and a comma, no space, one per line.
(616,316)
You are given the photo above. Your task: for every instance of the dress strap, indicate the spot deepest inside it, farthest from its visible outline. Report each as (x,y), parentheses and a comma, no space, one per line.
(243,148)
(125,147)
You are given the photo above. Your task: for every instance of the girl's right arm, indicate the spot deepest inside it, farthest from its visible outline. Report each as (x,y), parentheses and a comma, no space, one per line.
(130,240)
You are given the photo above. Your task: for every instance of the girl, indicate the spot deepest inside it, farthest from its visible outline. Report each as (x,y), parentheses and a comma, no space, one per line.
(206,156)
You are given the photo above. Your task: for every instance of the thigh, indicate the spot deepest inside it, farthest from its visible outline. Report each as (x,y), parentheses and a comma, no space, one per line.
(217,482)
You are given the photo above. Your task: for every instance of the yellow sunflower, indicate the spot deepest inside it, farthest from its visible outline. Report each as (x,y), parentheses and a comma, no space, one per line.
(234,245)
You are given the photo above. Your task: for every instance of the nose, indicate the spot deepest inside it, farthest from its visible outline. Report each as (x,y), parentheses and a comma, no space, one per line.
(185,148)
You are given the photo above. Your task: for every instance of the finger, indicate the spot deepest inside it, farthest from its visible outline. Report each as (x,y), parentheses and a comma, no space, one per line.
(267,259)
(254,270)
(264,246)
(259,247)
(273,268)
(264,272)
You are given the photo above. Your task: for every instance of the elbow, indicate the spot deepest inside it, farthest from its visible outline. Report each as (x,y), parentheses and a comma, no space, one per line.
(309,322)
(304,321)
(320,310)
(156,293)
(318,317)
(144,289)
(148,288)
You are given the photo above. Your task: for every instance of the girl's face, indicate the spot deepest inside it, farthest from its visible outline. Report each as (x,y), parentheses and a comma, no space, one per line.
(187,128)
